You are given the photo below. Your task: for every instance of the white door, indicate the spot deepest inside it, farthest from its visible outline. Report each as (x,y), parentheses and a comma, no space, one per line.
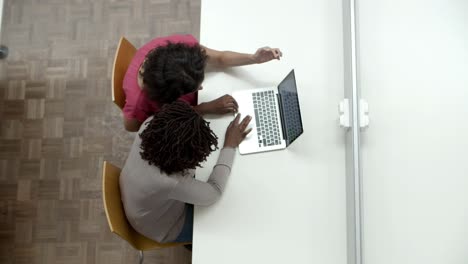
(413,71)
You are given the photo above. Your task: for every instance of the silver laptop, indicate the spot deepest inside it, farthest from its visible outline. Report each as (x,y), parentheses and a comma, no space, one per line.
(276,116)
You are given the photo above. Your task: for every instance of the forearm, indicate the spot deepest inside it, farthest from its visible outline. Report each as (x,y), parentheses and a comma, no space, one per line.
(231,58)
(190,190)
(201,109)
(222,169)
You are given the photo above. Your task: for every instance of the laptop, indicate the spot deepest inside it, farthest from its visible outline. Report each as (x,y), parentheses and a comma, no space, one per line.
(276,116)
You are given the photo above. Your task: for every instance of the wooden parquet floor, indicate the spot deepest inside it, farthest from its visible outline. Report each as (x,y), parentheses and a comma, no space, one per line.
(58,124)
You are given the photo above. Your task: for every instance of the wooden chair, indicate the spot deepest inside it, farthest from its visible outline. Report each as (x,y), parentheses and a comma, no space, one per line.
(116,215)
(123,56)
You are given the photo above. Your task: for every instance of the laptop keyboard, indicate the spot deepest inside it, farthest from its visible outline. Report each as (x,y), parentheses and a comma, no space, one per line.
(266,118)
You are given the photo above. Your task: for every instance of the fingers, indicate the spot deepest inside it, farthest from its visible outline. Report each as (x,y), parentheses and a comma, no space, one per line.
(265,54)
(236,132)
(228,110)
(243,125)
(277,53)
(231,108)
(245,122)
(245,133)
(235,103)
(230,104)
(236,120)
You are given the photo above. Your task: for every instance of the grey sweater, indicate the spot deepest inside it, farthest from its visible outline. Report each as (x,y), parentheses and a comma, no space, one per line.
(154,202)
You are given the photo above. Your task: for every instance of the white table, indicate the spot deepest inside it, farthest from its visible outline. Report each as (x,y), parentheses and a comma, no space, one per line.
(285,206)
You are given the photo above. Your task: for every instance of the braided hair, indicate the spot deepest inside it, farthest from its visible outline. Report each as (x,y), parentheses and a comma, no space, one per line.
(177,139)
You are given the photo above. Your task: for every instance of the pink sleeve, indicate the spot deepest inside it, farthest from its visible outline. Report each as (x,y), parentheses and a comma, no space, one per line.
(133,108)
(140,108)
(131,88)
(128,110)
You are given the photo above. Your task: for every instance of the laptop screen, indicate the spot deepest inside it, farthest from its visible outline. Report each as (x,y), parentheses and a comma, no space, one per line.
(289,105)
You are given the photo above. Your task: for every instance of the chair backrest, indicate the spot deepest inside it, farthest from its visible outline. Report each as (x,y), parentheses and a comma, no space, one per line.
(116,215)
(123,56)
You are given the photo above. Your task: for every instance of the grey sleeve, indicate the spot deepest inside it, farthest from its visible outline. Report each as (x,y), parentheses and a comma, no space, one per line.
(197,192)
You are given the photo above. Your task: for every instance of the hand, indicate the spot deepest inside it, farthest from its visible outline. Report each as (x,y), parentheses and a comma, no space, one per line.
(266,54)
(236,132)
(223,105)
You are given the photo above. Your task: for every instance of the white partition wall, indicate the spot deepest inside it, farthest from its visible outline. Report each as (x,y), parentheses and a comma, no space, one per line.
(413,71)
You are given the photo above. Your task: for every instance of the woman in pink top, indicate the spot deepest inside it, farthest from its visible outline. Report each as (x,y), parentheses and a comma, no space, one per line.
(171,68)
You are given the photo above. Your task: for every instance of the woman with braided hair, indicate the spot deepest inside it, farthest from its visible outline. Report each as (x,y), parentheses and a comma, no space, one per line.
(157,182)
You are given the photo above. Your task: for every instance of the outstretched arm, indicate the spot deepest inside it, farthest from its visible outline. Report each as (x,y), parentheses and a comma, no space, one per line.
(196,192)
(230,58)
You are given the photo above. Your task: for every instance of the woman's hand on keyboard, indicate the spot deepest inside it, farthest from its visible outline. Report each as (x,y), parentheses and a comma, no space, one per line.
(223,105)
(236,132)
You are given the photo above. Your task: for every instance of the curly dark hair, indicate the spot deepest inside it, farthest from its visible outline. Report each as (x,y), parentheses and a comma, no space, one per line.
(173,70)
(177,139)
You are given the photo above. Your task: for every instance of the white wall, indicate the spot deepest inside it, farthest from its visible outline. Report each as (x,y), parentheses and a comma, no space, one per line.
(413,70)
